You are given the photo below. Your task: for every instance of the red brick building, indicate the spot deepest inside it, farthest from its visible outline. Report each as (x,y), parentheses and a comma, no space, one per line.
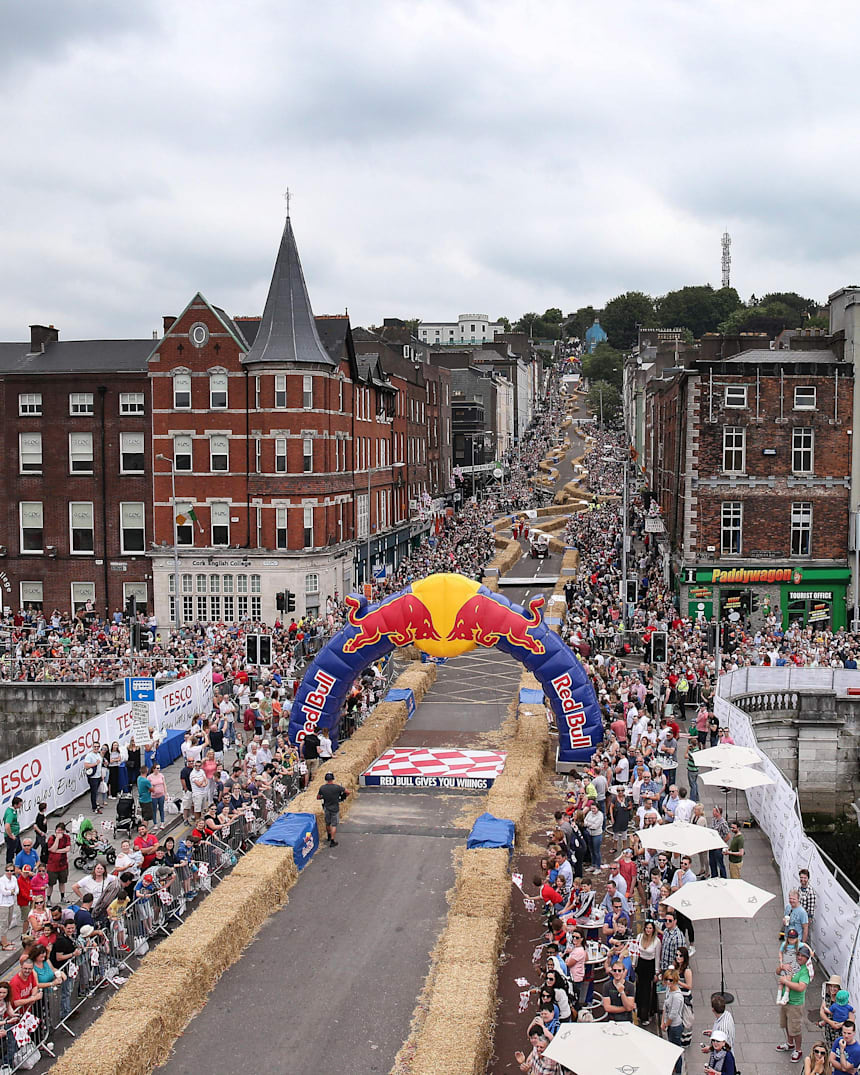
(269,429)
(75,491)
(750,457)
(206,471)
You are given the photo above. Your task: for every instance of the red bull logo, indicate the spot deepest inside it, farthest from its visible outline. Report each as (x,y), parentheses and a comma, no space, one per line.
(573,712)
(485,621)
(404,620)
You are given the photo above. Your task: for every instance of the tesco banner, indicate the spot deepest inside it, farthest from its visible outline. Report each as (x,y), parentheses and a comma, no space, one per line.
(53,772)
(176,704)
(27,775)
(67,759)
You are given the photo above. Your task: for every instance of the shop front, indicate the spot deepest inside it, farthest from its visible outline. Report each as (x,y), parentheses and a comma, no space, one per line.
(808,596)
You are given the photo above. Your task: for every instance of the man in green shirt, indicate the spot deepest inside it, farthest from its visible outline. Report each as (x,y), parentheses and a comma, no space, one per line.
(735,852)
(11,827)
(791,1013)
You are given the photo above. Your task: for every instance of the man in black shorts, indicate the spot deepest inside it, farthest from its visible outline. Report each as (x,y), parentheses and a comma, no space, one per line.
(332,796)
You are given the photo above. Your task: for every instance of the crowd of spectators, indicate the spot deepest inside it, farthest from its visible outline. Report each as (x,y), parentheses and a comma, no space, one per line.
(601,893)
(238,769)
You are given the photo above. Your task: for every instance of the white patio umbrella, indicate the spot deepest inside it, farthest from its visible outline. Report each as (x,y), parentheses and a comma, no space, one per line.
(741,779)
(726,754)
(681,838)
(610,1048)
(719,897)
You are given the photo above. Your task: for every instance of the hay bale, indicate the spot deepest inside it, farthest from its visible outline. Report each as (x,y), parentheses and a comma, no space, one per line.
(464,992)
(444,1046)
(134,1046)
(487,863)
(468,941)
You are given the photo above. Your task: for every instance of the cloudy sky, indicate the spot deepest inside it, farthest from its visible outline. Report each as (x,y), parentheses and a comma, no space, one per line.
(443,156)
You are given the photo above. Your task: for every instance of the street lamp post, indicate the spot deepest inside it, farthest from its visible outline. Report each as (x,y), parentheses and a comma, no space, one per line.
(471,438)
(623,462)
(176,619)
(370,471)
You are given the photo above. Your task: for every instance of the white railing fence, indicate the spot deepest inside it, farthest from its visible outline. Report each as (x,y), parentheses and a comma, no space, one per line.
(836,924)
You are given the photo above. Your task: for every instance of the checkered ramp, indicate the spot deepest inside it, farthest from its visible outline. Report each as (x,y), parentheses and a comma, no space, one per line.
(439,768)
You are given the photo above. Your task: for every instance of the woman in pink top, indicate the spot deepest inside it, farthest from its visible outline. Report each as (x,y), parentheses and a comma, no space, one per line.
(575,960)
(159,794)
(210,768)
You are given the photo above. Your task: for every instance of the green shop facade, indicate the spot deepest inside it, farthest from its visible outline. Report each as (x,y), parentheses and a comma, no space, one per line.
(795,593)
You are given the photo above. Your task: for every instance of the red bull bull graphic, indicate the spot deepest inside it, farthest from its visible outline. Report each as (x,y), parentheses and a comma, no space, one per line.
(446,615)
(405,619)
(486,621)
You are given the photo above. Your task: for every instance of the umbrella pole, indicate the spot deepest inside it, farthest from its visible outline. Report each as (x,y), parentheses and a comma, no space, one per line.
(727,997)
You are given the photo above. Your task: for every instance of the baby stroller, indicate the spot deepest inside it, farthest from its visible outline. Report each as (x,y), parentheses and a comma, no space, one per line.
(90,846)
(126,814)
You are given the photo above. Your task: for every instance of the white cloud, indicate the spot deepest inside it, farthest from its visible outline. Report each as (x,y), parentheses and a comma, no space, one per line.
(443,156)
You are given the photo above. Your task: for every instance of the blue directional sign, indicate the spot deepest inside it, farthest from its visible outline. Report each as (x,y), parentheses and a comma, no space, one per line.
(139,689)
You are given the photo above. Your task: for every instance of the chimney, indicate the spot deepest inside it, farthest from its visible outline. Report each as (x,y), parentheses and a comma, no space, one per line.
(168,323)
(40,335)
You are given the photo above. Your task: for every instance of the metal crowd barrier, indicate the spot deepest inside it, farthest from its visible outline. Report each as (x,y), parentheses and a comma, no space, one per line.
(104,961)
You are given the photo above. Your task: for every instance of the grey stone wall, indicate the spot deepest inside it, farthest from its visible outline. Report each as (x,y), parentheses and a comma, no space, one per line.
(30,713)
(816,744)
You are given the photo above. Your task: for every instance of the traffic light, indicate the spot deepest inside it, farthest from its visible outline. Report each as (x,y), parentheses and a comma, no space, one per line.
(291,600)
(658,647)
(131,607)
(281,601)
(754,601)
(264,649)
(258,649)
(712,637)
(632,591)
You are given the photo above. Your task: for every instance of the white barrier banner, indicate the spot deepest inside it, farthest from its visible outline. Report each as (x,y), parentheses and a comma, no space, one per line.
(176,703)
(53,772)
(27,775)
(118,725)
(837,919)
(67,759)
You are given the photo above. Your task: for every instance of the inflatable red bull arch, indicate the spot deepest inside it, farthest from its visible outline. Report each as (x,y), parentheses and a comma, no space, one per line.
(447,615)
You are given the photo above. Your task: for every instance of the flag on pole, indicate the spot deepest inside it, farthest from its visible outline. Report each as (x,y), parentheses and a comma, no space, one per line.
(190,515)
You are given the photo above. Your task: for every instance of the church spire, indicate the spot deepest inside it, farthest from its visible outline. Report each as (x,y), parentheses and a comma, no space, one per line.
(287,332)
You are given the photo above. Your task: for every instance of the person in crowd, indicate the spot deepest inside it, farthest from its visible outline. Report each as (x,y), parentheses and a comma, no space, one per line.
(735,851)
(795,916)
(93,884)
(806,895)
(845,1053)
(12,827)
(144,793)
(671,940)
(646,960)
(672,1020)
(818,1060)
(791,1012)
(723,1020)
(158,794)
(59,845)
(720,1059)
(536,1063)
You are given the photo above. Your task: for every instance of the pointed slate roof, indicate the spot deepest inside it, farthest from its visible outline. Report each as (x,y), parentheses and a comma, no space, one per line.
(287,332)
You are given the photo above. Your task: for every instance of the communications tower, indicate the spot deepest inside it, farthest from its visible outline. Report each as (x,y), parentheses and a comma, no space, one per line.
(727,258)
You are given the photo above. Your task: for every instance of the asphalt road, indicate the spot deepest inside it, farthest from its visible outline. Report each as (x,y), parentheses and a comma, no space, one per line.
(331,981)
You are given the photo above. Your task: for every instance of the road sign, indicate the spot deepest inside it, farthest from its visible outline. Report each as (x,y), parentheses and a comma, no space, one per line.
(139,689)
(140,722)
